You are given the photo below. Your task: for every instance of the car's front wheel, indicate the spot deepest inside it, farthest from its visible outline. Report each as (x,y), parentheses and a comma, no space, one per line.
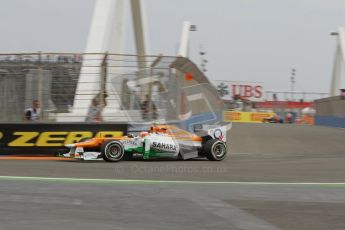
(112,151)
(215,150)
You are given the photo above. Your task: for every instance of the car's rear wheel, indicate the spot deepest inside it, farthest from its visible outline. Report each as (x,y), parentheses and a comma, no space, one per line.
(112,151)
(215,150)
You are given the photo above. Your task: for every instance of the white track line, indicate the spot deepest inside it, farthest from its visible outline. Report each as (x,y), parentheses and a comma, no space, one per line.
(66,179)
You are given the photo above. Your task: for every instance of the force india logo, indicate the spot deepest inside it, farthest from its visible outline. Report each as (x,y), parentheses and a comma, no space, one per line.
(130,142)
(163,146)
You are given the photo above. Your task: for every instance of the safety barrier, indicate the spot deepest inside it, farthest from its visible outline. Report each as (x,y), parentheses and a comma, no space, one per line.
(330,111)
(331,106)
(49,138)
(246,117)
(330,121)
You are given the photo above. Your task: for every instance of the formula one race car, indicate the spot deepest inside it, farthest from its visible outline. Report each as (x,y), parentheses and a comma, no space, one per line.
(161,141)
(272,119)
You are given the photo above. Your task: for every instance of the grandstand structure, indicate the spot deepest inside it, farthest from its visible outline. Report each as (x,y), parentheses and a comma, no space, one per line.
(339,63)
(107,35)
(330,111)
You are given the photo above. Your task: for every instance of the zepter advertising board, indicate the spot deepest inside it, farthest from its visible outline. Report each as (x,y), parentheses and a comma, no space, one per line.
(48,138)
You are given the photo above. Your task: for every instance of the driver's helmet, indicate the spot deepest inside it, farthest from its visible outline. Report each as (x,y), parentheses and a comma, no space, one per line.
(154,129)
(158,129)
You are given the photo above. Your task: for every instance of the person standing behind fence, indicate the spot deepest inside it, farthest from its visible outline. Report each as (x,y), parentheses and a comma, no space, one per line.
(33,114)
(148,113)
(94,113)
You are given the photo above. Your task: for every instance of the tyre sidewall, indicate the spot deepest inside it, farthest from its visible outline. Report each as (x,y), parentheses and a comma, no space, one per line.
(210,147)
(106,147)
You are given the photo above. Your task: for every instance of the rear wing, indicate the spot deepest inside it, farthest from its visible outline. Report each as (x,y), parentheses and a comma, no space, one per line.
(213,131)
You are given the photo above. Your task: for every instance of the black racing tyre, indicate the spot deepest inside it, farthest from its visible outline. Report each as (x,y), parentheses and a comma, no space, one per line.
(215,150)
(112,151)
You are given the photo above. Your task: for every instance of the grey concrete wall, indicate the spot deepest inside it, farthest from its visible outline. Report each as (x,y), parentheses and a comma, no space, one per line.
(331,106)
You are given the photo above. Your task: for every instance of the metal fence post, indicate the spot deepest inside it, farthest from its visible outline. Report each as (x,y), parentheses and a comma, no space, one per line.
(40,86)
(103,79)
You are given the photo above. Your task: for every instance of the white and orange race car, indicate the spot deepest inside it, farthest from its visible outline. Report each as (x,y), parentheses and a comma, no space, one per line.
(161,141)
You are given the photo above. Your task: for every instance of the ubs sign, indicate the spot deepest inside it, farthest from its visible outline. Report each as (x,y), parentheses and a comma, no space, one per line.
(247,90)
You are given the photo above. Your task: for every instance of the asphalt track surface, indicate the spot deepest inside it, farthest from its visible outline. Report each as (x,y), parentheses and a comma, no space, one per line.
(275,177)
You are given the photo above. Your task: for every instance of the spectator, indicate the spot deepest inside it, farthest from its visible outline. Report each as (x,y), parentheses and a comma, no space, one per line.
(147,111)
(289,118)
(94,113)
(33,114)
